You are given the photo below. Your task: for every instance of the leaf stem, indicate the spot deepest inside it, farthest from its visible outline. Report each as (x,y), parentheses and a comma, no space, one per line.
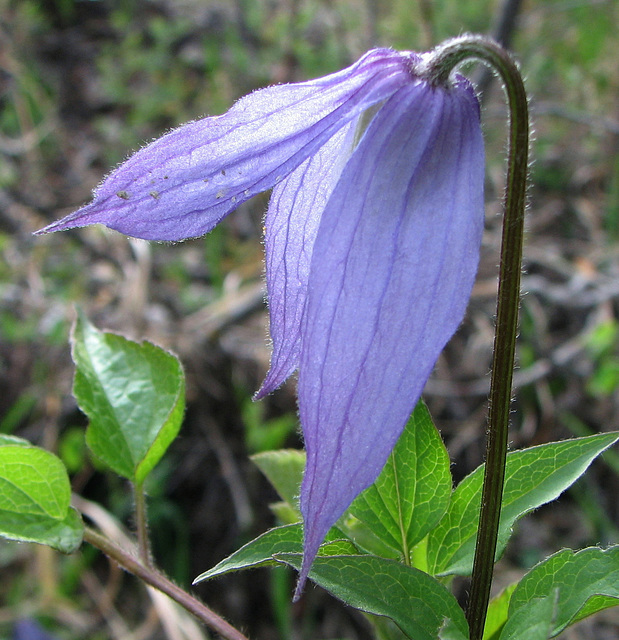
(154,578)
(141,523)
(444,59)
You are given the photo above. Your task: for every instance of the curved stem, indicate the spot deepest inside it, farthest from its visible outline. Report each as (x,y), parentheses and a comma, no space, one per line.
(439,67)
(155,579)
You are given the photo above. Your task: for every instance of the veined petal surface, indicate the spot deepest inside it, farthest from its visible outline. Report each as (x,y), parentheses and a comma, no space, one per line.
(392,270)
(291,223)
(182,184)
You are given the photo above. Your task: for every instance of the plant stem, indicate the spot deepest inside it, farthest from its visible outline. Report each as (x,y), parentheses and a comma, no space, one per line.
(141,523)
(442,63)
(155,579)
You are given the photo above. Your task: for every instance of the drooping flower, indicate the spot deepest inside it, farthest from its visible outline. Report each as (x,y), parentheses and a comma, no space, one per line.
(372,243)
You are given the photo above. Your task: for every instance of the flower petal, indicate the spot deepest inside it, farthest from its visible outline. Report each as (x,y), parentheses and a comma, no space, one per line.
(181,185)
(291,223)
(392,271)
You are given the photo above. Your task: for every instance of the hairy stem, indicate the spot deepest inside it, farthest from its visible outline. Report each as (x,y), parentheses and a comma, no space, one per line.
(439,67)
(156,579)
(141,523)
(503,27)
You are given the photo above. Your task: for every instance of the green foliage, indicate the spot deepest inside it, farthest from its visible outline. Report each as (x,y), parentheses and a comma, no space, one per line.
(578,584)
(134,395)
(371,584)
(18,411)
(72,449)
(602,344)
(533,477)
(281,540)
(414,489)
(497,613)
(415,481)
(35,497)
(533,622)
(284,470)
(142,79)
(261,434)
(415,601)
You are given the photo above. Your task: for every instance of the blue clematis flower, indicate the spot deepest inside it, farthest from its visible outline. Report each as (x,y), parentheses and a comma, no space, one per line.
(372,243)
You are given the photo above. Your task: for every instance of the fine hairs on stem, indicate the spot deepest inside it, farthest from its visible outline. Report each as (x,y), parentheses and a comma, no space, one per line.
(142,524)
(154,578)
(437,69)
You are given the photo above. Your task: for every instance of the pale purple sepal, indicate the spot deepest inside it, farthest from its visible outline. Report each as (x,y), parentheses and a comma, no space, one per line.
(291,224)
(371,257)
(391,274)
(181,185)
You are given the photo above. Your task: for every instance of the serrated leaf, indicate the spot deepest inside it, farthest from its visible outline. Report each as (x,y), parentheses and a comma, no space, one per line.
(286,539)
(413,490)
(381,521)
(415,601)
(34,498)
(585,582)
(533,477)
(134,395)
(533,622)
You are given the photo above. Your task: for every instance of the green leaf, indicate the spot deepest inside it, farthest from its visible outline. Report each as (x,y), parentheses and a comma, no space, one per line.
(451,631)
(284,513)
(365,539)
(533,622)
(35,496)
(286,539)
(413,490)
(533,477)
(284,470)
(496,616)
(7,439)
(133,394)
(586,582)
(259,552)
(261,434)
(385,628)
(415,479)
(415,601)
(33,481)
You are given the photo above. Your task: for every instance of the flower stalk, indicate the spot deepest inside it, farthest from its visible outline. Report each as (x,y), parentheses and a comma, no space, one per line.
(439,67)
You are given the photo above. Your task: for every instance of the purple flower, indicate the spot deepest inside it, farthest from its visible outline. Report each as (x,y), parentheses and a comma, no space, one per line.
(372,243)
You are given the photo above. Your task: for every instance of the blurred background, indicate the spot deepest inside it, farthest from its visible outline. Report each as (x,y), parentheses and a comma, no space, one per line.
(83,83)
